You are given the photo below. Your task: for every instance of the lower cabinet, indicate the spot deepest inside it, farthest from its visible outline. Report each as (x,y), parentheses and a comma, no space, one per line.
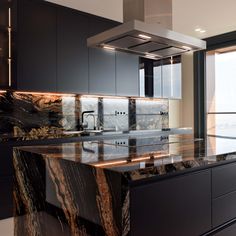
(223,209)
(6,197)
(229,231)
(177,206)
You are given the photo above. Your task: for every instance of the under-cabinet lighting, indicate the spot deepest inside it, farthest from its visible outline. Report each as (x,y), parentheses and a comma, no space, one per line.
(3,91)
(44,93)
(151,56)
(144,36)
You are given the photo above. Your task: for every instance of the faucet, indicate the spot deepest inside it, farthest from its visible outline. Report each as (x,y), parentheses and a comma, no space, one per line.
(82,124)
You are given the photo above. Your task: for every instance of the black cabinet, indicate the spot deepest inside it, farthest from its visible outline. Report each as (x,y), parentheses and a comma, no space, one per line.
(6,166)
(223,194)
(102,78)
(6,181)
(102,63)
(178,206)
(72,51)
(36,46)
(6,197)
(4,44)
(223,180)
(127,74)
(229,231)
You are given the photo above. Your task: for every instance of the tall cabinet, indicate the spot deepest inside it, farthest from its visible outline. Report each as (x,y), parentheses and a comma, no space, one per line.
(36,46)
(72,51)
(5,43)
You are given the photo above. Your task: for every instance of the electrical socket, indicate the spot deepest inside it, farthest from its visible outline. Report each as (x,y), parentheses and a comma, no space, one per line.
(118,113)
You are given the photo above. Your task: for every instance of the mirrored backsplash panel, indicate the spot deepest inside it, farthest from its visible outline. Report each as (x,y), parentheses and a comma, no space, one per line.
(24,112)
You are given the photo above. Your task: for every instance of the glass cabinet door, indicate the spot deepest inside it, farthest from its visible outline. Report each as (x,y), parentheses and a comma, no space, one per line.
(157,79)
(171,78)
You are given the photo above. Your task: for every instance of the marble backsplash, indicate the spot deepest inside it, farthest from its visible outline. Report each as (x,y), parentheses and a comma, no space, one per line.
(24,112)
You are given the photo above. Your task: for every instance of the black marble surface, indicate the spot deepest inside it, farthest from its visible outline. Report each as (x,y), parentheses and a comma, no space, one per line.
(144,157)
(41,115)
(83,188)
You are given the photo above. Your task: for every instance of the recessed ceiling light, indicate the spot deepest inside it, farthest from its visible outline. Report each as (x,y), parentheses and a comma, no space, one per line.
(202,31)
(144,36)
(186,47)
(108,48)
(198,29)
(151,56)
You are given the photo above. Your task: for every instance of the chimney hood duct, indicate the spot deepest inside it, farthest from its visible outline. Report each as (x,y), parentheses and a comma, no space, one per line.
(146,40)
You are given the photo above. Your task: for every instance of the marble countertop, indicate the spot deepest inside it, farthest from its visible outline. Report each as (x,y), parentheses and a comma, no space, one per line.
(144,157)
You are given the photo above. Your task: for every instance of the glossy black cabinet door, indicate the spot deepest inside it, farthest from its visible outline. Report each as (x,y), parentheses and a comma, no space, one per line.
(178,206)
(229,231)
(4,40)
(6,197)
(6,166)
(72,52)
(37,37)
(127,74)
(101,62)
(102,78)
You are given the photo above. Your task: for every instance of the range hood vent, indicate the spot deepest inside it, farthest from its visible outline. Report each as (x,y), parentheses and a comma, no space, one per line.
(147,40)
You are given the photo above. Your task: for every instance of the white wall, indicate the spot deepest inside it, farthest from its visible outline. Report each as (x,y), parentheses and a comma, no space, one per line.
(111,9)
(216,16)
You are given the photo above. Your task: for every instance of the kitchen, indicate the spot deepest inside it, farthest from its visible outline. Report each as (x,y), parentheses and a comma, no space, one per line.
(96,134)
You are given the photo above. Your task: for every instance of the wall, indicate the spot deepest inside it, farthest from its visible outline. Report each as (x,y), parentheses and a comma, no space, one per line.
(35,113)
(111,9)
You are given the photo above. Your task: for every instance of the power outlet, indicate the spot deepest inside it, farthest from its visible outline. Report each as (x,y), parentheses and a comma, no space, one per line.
(120,113)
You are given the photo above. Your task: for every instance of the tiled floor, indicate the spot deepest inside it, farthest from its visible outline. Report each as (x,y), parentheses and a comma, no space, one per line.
(6,227)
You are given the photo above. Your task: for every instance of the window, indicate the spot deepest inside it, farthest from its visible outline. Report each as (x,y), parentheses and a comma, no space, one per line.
(221,92)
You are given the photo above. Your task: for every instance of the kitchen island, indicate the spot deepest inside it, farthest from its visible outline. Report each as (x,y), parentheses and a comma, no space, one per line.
(168,185)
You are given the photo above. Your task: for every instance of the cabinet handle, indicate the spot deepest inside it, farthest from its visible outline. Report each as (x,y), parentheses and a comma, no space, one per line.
(9,48)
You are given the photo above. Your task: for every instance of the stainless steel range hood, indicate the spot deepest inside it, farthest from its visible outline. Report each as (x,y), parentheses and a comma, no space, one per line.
(147,40)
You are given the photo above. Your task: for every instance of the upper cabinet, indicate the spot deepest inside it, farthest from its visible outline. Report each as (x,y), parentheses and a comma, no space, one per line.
(127,74)
(102,63)
(50,54)
(161,78)
(102,72)
(72,51)
(36,46)
(171,78)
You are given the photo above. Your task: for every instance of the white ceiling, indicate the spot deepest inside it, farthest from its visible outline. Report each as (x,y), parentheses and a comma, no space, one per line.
(111,9)
(215,16)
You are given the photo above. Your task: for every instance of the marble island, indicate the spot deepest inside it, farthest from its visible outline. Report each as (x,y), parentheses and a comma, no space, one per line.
(128,186)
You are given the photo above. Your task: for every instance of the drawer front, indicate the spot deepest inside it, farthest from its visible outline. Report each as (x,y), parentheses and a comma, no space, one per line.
(223,180)
(175,207)
(6,188)
(6,163)
(223,209)
(229,231)
(6,197)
